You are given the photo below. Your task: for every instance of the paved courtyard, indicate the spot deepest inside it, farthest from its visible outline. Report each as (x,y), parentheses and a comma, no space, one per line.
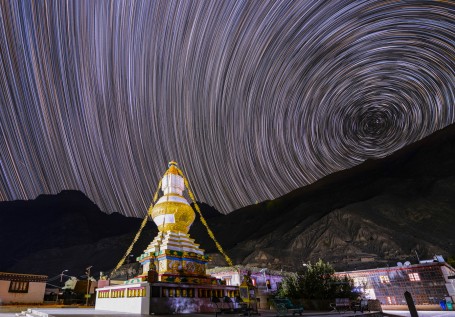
(11,311)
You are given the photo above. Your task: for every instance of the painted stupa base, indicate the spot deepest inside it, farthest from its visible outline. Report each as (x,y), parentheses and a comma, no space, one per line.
(178,262)
(171,278)
(165,298)
(176,259)
(173,252)
(174,278)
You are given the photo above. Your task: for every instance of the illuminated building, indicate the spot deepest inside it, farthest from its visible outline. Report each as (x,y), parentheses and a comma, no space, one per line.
(267,281)
(22,288)
(428,282)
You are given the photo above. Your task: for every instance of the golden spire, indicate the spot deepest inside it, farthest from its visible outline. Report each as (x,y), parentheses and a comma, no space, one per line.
(172,168)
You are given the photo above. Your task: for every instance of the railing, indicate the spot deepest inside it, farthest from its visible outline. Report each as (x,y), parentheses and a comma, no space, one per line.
(167,291)
(121,292)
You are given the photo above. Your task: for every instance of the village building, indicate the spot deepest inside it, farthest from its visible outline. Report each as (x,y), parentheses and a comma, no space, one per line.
(266,280)
(429,283)
(18,288)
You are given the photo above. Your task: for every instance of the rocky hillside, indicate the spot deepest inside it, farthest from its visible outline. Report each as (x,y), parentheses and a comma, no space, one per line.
(374,214)
(377,213)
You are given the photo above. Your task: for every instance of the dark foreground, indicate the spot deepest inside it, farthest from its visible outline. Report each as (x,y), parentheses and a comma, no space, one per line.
(23,311)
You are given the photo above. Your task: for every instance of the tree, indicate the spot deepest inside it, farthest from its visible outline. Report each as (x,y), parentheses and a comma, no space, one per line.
(344,288)
(317,282)
(291,286)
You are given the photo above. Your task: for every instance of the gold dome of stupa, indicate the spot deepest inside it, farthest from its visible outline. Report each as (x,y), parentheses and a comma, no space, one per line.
(172,212)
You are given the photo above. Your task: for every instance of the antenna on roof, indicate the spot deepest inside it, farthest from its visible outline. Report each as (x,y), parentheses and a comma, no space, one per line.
(417,255)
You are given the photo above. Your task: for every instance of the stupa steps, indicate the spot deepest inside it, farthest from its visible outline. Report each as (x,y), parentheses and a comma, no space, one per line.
(174,241)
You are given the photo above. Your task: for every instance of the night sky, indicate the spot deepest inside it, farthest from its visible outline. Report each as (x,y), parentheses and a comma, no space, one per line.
(252,98)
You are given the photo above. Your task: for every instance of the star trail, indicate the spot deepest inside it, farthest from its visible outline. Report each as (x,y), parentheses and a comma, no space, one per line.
(252,98)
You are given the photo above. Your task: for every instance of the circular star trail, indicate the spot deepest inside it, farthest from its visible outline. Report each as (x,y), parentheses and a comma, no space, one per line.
(252,98)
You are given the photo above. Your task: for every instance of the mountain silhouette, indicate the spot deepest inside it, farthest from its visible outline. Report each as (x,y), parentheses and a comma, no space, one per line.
(374,214)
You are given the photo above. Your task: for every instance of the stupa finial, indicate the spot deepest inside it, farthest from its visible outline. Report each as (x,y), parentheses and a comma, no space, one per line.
(172,168)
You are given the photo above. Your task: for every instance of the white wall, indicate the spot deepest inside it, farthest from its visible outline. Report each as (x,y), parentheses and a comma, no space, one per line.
(34,295)
(136,305)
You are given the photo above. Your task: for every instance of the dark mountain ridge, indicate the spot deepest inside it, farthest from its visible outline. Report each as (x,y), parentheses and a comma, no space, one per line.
(55,221)
(68,231)
(414,186)
(376,213)
(416,166)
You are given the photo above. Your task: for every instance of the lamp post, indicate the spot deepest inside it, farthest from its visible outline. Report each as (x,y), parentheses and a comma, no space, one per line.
(61,275)
(417,255)
(88,284)
(61,280)
(265,278)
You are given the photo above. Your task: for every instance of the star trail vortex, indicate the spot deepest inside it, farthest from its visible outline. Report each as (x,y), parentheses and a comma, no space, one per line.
(252,98)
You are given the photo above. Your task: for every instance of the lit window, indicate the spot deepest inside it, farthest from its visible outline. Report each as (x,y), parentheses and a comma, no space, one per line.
(391,300)
(414,277)
(384,279)
(228,280)
(18,287)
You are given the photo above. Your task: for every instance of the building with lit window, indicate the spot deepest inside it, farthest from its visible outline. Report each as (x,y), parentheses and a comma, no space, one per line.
(22,288)
(428,282)
(267,281)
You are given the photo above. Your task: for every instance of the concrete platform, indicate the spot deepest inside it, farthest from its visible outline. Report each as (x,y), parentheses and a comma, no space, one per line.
(24,311)
(86,312)
(421,313)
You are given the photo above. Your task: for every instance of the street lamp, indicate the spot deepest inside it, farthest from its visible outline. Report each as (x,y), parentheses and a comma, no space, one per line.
(88,284)
(61,275)
(265,279)
(61,280)
(417,255)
